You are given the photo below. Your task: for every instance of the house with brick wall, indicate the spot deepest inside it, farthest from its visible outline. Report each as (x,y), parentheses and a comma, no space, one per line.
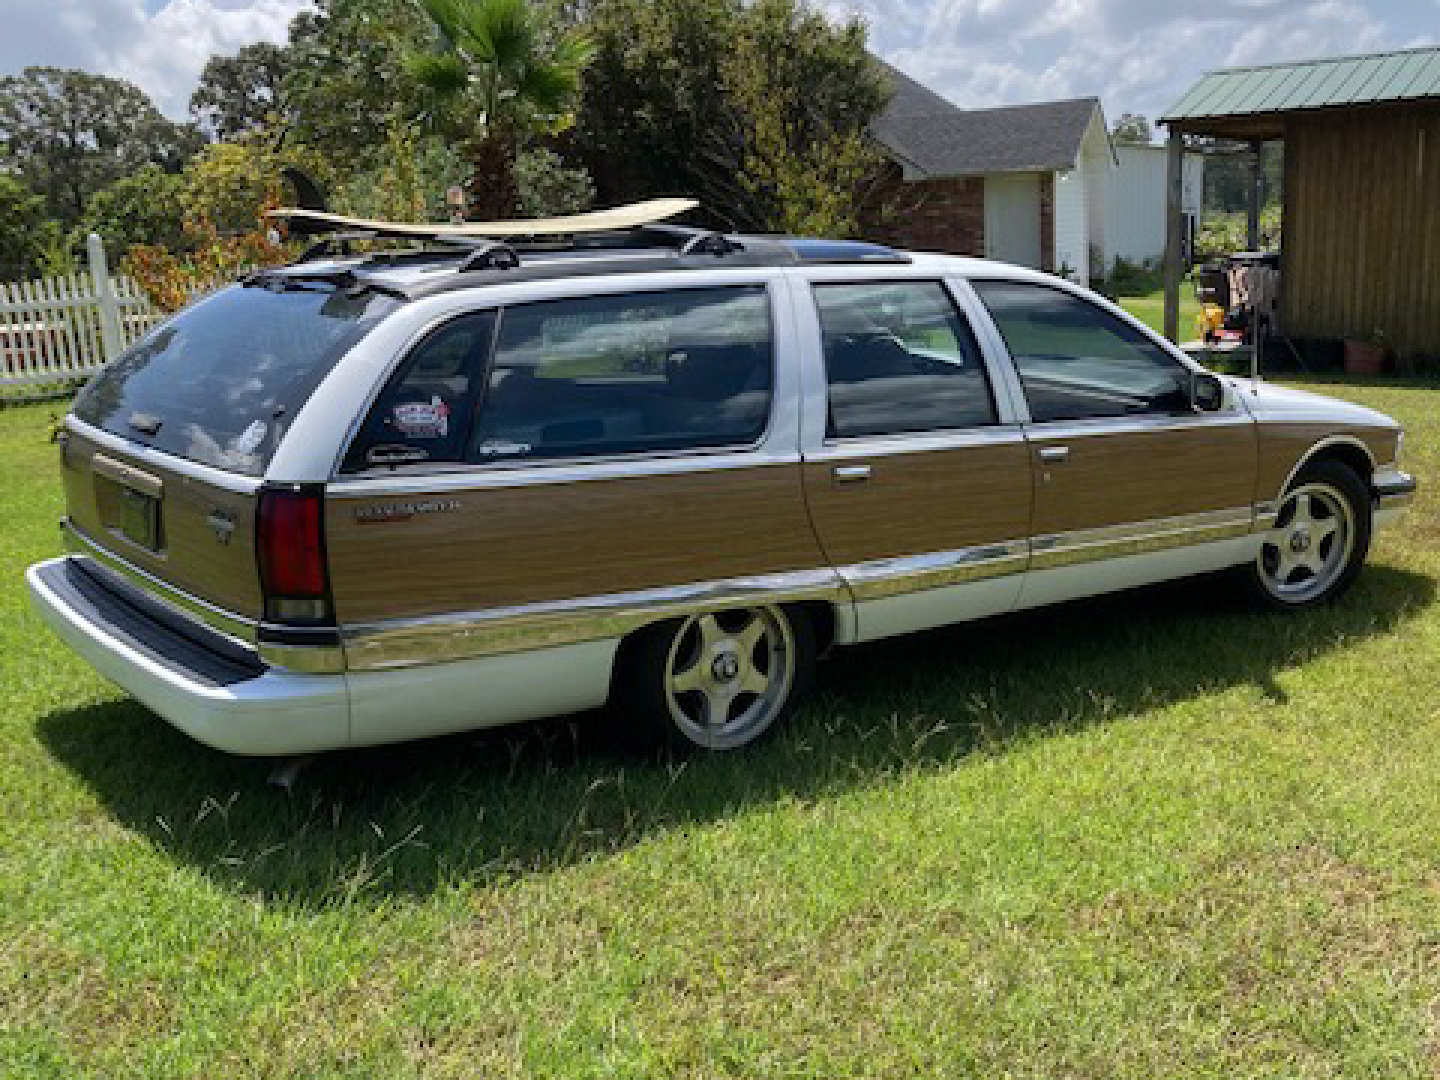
(1022,184)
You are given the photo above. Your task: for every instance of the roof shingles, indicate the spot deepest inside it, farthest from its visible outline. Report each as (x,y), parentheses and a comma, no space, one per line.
(936,138)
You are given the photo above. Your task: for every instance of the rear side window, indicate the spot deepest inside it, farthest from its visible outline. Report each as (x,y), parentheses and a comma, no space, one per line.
(1076,360)
(220,383)
(899,358)
(427,410)
(621,374)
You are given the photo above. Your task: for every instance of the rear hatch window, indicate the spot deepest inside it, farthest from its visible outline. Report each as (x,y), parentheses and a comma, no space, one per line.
(220,383)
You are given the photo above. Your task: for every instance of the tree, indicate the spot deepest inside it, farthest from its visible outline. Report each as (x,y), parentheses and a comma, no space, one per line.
(1132,129)
(803,92)
(347,82)
(70,133)
(653,95)
(24,231)
(495,78)
(147,207)
(758,109)
(240,93)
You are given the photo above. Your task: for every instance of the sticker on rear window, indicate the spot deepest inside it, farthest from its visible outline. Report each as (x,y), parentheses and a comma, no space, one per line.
(422,419)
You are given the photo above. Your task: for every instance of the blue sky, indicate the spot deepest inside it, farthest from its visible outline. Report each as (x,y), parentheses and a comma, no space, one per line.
(1136,55)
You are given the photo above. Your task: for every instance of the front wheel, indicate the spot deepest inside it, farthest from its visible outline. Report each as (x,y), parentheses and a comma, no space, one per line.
(716,680)
(1320,538)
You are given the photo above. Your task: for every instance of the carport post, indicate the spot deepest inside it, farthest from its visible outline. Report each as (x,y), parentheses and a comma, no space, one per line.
(1252,207)
(1173,223)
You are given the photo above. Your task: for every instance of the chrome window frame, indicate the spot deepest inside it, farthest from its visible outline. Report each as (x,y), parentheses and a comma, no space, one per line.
(1057,285)
(314,446)
(948,292)
(776,445)
(815,442)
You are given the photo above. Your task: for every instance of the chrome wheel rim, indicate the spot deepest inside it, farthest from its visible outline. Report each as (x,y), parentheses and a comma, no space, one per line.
(1307,549)
(728,674)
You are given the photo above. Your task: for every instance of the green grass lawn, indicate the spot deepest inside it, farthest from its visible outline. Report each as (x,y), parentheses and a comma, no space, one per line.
(1150,309)
(1156,835)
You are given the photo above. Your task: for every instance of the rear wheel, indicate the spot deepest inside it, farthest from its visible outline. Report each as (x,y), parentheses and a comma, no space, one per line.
(1319,540)
(716,680)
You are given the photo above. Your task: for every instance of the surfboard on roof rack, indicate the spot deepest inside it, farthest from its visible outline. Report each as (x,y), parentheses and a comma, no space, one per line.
(629,216)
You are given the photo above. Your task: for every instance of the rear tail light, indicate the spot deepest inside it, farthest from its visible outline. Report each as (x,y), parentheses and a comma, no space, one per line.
(290,546)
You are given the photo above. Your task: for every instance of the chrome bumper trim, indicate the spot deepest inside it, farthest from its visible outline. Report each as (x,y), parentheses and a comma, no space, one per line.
(466,635)
(277,712)
(1394,493)
(235,627)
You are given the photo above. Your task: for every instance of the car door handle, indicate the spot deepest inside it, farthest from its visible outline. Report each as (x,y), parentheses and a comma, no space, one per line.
(851,474)
(1054,455)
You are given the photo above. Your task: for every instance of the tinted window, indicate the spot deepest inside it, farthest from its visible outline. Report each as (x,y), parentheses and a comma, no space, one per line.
(224,379)
(618,374)
(427,411)
(899,358)
(1076,360)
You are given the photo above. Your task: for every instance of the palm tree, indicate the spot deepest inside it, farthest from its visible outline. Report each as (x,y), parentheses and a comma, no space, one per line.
(496,76)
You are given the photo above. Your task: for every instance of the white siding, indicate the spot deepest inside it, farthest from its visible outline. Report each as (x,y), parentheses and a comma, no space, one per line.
(1071,226)
(1135,202)
(1098,161)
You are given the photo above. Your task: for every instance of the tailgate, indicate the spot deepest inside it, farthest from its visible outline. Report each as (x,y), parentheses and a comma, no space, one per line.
(191,526)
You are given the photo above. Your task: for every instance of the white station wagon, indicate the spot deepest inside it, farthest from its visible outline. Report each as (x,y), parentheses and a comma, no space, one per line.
(371,498)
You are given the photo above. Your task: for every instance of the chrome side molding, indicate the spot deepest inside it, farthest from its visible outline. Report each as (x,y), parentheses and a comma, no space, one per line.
(1140,537)
(396,643)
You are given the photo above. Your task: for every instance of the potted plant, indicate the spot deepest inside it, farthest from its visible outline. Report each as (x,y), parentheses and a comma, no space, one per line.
(1366,356)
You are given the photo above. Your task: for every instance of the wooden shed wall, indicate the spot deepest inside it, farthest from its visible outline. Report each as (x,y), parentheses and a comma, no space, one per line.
(1362,225)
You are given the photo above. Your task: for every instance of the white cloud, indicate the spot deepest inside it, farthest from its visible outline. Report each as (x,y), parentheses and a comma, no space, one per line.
(1136,55)
(161,52)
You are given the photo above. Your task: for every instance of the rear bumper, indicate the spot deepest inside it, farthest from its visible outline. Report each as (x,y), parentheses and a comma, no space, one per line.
(219,697)
(1394,492)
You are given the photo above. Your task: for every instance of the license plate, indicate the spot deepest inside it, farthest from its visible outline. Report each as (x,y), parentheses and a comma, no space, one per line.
(140,518)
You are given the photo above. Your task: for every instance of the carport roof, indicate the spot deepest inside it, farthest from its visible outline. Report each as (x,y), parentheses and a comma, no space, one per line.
(1408,75)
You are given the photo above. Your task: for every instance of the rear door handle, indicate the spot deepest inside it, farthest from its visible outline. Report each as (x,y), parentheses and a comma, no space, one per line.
(1054,455)
(851,474)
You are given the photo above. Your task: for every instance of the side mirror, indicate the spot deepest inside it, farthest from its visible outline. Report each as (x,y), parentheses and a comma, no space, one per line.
(1207,392)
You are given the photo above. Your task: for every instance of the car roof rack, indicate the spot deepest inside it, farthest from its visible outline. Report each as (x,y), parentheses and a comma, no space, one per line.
(626,239)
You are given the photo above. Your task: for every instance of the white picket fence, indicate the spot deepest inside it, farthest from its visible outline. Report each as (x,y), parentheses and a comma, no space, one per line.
(55,332)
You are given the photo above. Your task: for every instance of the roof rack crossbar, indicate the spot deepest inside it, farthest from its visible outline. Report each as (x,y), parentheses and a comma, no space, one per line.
(691,241)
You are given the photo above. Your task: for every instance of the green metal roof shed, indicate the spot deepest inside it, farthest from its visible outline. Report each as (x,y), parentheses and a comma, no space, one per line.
(1335,82)
(1361,244)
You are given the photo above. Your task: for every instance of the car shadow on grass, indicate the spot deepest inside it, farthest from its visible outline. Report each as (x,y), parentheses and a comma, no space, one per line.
(371,826)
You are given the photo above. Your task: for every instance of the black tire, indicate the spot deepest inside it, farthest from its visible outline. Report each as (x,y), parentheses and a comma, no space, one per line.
(654,660)
(1296,568)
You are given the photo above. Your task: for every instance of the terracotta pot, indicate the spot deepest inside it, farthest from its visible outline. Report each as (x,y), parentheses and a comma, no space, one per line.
(1364,358)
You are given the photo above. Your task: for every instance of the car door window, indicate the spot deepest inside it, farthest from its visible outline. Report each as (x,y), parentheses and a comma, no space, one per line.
(1076,360)
(426,411)
(605,375)
(899,358)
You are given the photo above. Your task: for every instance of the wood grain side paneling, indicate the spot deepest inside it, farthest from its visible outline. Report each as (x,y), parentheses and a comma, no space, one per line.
(191,558)
(1283,446)
(915,503)
(1362,225)
(1129,476)
(508,546)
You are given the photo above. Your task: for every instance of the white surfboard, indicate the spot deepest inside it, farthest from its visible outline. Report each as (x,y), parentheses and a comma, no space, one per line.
(619,217)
